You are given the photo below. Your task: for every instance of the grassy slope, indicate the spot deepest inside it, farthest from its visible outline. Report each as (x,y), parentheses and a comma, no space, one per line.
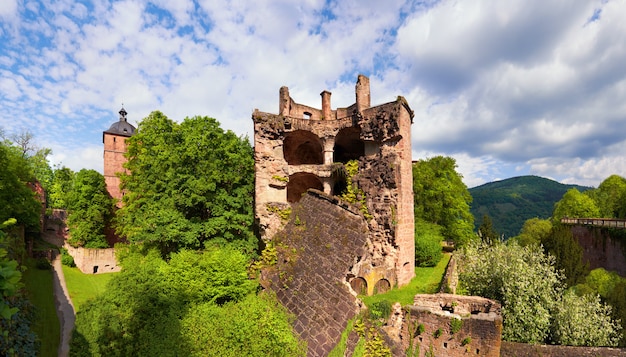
(83,287)
(38,285)
(426,281)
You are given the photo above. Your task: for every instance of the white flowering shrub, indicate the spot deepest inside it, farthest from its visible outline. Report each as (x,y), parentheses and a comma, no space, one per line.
(584,321)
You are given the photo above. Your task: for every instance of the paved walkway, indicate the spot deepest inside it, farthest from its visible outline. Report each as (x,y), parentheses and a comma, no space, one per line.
(65,309)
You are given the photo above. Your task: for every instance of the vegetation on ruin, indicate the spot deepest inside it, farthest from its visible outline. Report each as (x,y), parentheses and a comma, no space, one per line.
(441,198)
(189,185)
(353,193)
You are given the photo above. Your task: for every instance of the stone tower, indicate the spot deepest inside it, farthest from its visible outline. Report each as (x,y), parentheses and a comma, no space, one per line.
(303,148)
(114,140)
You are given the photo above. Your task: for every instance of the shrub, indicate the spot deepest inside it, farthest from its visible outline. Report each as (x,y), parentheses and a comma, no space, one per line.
(67,259)
(380,310)
(428,240)
(43,264)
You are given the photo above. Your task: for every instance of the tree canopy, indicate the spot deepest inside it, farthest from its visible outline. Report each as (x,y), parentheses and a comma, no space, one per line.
(575,204)
(442,198)
(188,184)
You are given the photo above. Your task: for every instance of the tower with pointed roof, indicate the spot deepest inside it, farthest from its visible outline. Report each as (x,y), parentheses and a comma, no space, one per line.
(114,140)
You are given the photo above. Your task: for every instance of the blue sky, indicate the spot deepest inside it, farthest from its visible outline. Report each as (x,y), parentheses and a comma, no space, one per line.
(507,88)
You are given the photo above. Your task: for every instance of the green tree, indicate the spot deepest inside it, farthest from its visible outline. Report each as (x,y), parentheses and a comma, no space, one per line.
(584,321)
(61,187)
(568,254)
(575,205)
(427,244)
(442,198)
(487,233)
(189,184)
(90,209)
(534,231)
(609,197)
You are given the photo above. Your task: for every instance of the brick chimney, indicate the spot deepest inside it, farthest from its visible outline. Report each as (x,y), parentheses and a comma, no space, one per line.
(326,111)
(362,90)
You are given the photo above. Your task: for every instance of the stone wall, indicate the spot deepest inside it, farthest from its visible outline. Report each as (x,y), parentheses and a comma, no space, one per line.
(94,261)
(602,247)
(321,242)
(450,325)
(514,349)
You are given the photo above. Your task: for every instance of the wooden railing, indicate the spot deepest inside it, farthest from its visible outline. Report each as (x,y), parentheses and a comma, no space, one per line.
(599,222)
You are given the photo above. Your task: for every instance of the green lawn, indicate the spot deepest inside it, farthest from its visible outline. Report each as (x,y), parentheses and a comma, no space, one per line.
(426,281)
(38,285)
(83,287)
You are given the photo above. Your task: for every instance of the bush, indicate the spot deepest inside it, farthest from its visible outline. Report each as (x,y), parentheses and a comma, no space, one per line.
(67,259)
(380,310)
(428,238)
(43,264)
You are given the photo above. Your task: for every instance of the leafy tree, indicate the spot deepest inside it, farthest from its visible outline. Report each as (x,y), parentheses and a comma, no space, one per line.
(584,321)
(90,208)
(189,184)
(61,187)
(197,304)
(568,254)
(534,231)
(609,197)
(442,198)
(575,204)
(523,279)
(487,233)
(427,244)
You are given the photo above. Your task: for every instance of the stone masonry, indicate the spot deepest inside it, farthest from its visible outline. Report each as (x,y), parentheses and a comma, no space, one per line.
(303,148)
(114,140)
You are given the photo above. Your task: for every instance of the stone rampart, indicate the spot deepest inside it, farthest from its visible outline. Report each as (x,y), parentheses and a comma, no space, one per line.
(602,247)
(514,349)
(322,241)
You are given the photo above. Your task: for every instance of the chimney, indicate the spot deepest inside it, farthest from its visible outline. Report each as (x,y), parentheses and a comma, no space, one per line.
(284,101)
(326,111)
(362,90)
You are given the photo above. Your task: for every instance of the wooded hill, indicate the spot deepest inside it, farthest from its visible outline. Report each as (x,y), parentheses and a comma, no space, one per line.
(511,202)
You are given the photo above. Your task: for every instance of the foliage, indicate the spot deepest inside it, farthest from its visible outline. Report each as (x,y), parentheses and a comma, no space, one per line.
(568,254)
(523,279)
(427,244)
(442,198)
(534,231)
(255,326)
(202,303)
(487,233)
(90,209)
(584,321)
(61,187)
(509,203)
(67,259)
(353,193)
(189,184)
(575,204)
(455,325)
(610,197)
(380,310)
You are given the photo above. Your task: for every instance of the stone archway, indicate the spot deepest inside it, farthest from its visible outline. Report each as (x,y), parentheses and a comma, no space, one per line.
(359,285)
(299,183)
(382,286)
(302,147)
(348,145)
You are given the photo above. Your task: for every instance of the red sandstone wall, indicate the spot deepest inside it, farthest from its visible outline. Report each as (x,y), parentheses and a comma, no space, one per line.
(600,250)
(514,349)
(114,149)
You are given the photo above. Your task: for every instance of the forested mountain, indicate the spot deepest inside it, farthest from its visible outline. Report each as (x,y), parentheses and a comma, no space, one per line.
(511,202)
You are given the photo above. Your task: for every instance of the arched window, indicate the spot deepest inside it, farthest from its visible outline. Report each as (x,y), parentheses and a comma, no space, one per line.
(348,145)
(299,183)
(302,147)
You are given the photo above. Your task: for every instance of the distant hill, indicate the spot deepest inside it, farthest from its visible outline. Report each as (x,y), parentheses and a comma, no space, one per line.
(511,202)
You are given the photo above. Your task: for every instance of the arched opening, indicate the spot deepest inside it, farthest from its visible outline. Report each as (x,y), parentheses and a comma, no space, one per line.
(338,180)
(348,145)
(299,183)
(382,286)
(359,285)
(302,147)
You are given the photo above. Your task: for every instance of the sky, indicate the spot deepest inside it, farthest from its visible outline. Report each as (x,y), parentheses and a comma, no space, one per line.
(507,88)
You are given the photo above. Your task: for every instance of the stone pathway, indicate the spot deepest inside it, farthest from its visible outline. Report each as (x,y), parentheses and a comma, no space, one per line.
(65,308)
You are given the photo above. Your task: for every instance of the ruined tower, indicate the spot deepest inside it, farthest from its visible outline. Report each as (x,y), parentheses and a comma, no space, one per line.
(303,148)
(114,140)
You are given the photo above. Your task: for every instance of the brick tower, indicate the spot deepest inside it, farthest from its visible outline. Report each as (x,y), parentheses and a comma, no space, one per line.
(303,148)
(114,140)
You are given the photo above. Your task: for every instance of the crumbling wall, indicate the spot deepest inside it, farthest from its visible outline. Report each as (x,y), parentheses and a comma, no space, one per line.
(94,261)
(450,325)
(514,349)
(323,239)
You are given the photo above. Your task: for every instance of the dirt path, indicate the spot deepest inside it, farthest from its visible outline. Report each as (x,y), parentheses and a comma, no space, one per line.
(65,309)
